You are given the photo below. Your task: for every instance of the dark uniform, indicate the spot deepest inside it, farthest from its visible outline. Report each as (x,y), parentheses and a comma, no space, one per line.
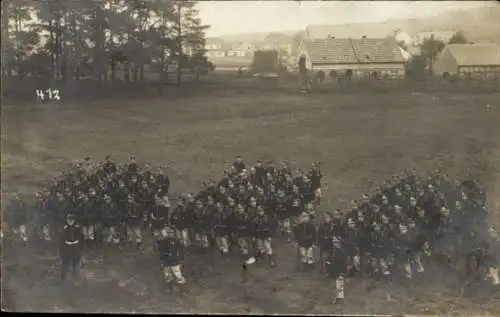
(305,235)
(179,223)
(263,226)
(146,200)
(70,248)
(159,217)
(337,267)
(351,245)
(134,219)
(221,223)
(171,252)
(111,220)
(202,225)
(240,226)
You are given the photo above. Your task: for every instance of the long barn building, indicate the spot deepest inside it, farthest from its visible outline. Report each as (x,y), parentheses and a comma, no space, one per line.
(469,61)
(358,58)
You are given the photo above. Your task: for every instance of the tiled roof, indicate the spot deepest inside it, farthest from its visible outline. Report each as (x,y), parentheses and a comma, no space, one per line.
(377,50)
(477,54)
(353,51)
(331,51)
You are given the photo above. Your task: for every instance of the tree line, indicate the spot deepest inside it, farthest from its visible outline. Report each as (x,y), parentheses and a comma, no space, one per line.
(66,41)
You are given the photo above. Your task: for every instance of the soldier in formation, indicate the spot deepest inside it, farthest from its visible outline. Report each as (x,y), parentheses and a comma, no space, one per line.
(110,202)
(382,236)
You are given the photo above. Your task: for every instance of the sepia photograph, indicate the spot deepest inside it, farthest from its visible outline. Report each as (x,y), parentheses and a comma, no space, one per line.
(250,157)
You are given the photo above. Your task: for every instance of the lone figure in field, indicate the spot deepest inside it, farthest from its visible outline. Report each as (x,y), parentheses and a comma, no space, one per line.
(70,249)
(304,74)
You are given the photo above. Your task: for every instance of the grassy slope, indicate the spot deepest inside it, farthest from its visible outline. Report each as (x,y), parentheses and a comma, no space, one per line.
(358,139)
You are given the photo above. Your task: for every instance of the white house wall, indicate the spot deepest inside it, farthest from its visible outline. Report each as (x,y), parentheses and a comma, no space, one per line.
(364,70)
(216,54)
(445,63)
(479,72)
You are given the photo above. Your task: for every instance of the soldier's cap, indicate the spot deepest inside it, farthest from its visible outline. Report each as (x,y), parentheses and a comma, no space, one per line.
(397,206)
(328,214)
(70,216)
(132,158)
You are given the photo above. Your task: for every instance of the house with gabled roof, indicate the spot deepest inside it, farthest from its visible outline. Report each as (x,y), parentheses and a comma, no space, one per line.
(354,57)
(216,47)
(241,49)
(469,61)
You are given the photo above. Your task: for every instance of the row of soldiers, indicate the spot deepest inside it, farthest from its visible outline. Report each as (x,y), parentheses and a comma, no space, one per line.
(110,201)
(248,207)
(380,236)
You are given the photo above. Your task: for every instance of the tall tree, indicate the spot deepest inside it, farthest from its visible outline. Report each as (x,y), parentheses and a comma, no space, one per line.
(73,38)
(22,36)
(190,34)
(458,38)
(430,48)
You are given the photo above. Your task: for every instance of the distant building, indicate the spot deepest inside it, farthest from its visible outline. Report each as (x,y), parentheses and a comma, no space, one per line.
(216,47)
(241,50)
(469,61)
(444,36)
(357,58)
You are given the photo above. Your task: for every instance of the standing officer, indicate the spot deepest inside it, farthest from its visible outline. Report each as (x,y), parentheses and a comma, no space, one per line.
(70,249)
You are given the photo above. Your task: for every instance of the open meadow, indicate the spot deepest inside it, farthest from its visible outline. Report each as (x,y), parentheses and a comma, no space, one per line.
(359,139)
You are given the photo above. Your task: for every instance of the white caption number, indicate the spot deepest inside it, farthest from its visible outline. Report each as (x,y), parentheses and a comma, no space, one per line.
(54,94)
(40,94)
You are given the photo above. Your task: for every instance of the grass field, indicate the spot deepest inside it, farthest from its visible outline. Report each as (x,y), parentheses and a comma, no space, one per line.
(360,139)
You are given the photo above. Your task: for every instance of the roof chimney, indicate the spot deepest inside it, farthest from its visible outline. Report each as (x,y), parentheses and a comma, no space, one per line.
(363,37)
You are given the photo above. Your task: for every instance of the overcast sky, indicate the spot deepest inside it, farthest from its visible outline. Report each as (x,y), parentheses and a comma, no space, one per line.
(230,17)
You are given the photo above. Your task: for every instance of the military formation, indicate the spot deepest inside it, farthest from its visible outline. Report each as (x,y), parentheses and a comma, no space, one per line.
(382,236)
